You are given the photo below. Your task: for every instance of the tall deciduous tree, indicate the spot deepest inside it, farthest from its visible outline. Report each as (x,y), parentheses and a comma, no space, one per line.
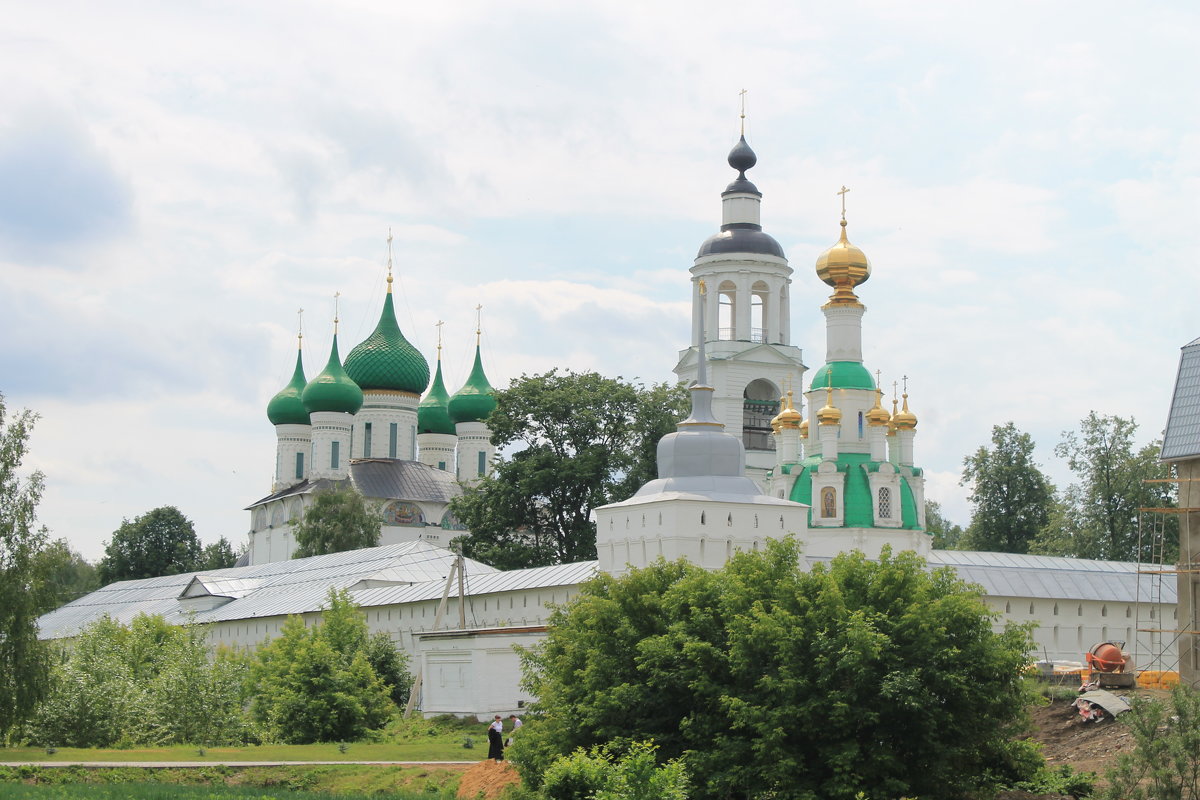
(317,684)
(1098,516)
(769,680)
(23,593)
(1011,496)
(339,519)
(579,440)
(159,542)
(218,555)
(68,574)
(946,535)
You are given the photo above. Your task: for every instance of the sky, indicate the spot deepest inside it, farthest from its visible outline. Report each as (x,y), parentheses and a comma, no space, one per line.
(178,179)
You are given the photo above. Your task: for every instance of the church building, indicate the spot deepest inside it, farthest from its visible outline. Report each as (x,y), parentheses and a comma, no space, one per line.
(754,460)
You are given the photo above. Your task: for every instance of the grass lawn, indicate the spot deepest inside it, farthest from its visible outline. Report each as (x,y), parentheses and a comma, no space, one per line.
(150,791)
(433,749)
(403,740)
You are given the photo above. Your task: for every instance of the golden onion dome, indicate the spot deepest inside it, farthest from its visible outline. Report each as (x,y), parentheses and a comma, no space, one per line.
(877,416)
(905,419)
(788,417)
(891,428)
(844,267)
(829,414)
(804,429)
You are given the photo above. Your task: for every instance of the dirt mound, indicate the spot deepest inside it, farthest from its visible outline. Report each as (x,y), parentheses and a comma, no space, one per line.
(1086,746)
(487,779)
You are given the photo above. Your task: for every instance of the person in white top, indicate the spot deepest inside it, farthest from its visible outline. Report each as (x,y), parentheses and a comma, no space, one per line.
(496,739)
(516,726)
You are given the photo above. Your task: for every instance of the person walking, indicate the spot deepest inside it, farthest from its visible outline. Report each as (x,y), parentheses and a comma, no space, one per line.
(496,739)
(516,726)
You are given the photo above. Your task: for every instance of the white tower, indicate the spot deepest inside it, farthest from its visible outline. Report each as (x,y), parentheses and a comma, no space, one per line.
(332,399)
(293,429)
(437,439)
(469,409)
(749,325)
(392,374)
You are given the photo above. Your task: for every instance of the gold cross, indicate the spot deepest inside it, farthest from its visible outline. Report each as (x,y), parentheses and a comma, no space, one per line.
(300,324)
(905,379)
(336,295)
(843,194)
(389,241)
(439,327)
(478,327)
(743,96)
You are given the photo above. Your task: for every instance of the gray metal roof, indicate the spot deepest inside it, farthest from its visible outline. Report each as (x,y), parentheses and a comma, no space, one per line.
(384,479)
(1056,578)
(738,240)
(492,583)
(280,587)
(1182,436)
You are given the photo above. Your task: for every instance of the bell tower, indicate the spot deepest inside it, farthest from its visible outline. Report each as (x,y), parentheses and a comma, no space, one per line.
(747,321)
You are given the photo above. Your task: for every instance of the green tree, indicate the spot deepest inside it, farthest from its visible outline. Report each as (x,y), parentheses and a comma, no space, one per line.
(579,440)
(1098,516)
(856,676)
(946,535)
(339,519)
(391,665)
(68,574)
(1165,762)
(316,684)
(145,683)
(24,593)
(160,542)
(1011,497)
(218,555)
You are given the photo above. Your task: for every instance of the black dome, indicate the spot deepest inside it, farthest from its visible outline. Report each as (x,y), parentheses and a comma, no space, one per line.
(741,240)
(742,158)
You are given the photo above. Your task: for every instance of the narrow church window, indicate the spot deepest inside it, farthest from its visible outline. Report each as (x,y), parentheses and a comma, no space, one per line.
(1031,608)
(756,520)
(299,466)
(1079,613)
(1104,612)
(729,521)
(660,518)
(1128,612)
(885,502)
(701,517)
(1055,610)
(393,437)
(482,465)
(412,443)
(1008,608)
(627,523)
(643,520)
(829,502)
(757,319)
(860,425)
(335,451)
(781,522)
(442,465)
(366,440)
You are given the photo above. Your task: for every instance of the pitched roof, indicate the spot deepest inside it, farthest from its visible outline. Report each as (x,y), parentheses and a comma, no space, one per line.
(1182,436)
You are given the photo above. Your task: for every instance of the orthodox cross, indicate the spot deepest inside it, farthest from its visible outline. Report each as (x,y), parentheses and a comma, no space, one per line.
(742,93)
(389,241)
(299,326)
(843,194)
(905,379)
(439,325)
(336,295)
(478,327)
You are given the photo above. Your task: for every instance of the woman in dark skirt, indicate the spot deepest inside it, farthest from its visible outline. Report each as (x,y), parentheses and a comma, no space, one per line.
(496,739)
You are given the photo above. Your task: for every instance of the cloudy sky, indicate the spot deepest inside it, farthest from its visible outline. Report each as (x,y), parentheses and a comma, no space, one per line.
(177,179)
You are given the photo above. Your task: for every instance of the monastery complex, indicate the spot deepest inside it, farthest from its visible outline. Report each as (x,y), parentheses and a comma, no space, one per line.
(770,449)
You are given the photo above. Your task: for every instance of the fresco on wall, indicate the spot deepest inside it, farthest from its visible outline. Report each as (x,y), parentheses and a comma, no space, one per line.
(451,523)
(398,512)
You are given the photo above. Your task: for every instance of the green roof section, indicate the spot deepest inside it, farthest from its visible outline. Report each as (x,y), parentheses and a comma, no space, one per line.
(476,399)
(859,510)
(332,390)
(846,375)
(433,414)
(286,408)
(385,360)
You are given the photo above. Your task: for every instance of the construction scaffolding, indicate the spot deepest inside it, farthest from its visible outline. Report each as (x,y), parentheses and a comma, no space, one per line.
(1165,644)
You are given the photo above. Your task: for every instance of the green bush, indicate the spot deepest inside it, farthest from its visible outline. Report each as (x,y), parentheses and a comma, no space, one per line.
(1165,762)
(598,775)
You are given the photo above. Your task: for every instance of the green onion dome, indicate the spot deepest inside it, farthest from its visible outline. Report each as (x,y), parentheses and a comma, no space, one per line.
(433,414)
(845,375)
(332,390)
(385,360)
(474,401)
(286,408)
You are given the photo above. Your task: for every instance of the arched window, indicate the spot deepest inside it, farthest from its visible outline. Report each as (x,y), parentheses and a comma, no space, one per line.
(829,503)
(727,311)
(760,404)
(1055,612)
(729,521)
(1104,612)
(701,517)
(885,502)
